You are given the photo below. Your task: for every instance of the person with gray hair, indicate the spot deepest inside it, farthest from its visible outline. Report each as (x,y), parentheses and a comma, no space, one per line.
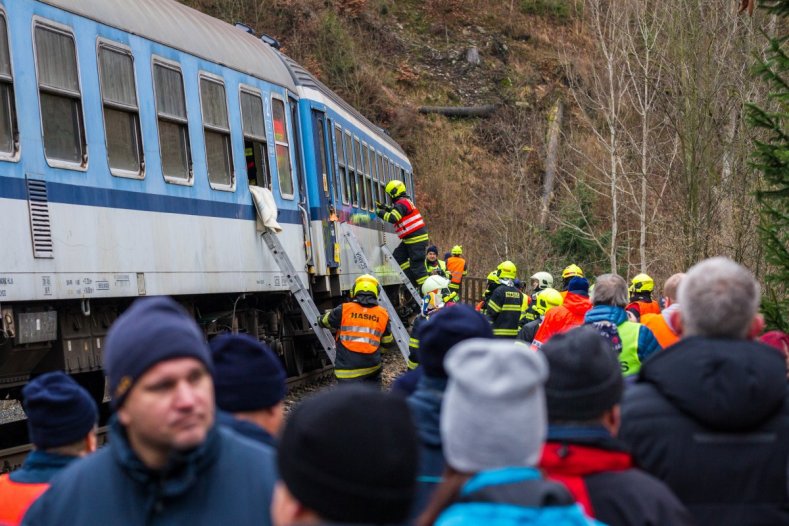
(709,416)
(608,307)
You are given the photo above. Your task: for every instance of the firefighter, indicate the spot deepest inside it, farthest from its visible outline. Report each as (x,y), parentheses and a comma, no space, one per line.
(506,304)
(570,271)
(433,265)
(539,281)
(493,282)
(456,265)
(435,296)
(410,228)
(362,326)
(641,301)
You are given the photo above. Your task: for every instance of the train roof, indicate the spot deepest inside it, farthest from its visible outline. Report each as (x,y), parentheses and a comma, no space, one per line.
(305,79)
(178,26)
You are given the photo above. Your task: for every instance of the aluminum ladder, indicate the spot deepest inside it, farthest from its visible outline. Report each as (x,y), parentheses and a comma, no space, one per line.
(301,292)
(389,258)
(399,332)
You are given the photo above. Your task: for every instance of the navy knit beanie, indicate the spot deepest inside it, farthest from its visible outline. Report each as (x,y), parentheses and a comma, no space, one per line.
(350,455)
(443,330)
(59,411)
(579,286)
(152,330)
(247,374)
(585,379)
(433,249)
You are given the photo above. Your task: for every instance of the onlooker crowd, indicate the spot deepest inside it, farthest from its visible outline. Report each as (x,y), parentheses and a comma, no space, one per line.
(622,411)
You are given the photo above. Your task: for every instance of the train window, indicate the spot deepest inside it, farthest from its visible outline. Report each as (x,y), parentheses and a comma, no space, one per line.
(372,198)
(294,122)
(61,100)
(381,181)
(361,176)
(351,179)
(216,129)
(9,133)
(121,113)
(282,146)
(255,145)
(386,178)
(342,173)
(173,124)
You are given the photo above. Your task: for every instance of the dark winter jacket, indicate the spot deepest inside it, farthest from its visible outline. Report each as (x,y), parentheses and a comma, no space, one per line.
(599,472)
(425,406)
(246,429)
(529,330)
(516,496)
(709,417)
(504,310)
(226,480)
(41,466)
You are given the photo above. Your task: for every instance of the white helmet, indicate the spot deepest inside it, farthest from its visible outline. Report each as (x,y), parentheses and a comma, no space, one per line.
(544,280)
(433,283)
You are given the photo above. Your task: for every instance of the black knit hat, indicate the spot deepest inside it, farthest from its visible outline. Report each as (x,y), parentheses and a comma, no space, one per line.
(585,378)
(350,455)
(247,374)
(59,411)
(443,330)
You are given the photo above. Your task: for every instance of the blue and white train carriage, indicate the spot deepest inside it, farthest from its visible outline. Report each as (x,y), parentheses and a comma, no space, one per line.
(130,133)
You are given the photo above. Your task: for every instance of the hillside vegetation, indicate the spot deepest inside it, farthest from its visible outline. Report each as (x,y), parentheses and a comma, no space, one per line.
(646,99)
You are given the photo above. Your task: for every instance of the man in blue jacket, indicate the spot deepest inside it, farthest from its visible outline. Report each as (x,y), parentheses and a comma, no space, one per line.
(167,461)
(608,304)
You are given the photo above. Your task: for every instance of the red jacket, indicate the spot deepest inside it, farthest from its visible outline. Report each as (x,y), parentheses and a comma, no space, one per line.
(562,318)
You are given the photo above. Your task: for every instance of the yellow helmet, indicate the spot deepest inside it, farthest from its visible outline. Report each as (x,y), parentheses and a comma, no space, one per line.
(572,270)
(507,270)
(365,283)
(493,276)
(642,283)
(395,188)
(457,250)
(547,299)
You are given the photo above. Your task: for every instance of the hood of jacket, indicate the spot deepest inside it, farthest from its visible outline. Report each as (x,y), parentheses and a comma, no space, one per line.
(366,299)
(581,451)
(576,304)
(425,405)
(727,385)
(615,315)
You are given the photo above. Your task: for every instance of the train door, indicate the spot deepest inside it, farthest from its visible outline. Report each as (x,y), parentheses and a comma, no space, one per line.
(324,164)
(305,216)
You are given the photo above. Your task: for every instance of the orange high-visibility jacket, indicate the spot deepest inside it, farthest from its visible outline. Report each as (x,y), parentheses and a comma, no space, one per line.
(664,334)
(456,266)
(16,498)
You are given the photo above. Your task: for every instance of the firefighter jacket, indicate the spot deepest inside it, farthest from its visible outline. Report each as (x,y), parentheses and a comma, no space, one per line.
(562,318)
(642,304)
(504,309)
(638,342)
(19,489)
(408,222)
(599,472)
(361,327)
(437,268)
(456,266)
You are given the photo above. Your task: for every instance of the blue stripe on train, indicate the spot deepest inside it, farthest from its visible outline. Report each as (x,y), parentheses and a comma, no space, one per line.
(14,188)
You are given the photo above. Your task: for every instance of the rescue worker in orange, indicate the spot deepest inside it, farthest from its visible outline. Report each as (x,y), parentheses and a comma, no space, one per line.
(641,301)
(362,326)
(569,314)
(456,265)
(410,228)
(570,271)
(61,422)
(662,324)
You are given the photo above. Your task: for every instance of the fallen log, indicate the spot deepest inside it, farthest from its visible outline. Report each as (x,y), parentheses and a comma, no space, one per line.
(460,111)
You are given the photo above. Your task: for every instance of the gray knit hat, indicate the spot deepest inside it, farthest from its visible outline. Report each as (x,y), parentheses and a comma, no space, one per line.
(493,414)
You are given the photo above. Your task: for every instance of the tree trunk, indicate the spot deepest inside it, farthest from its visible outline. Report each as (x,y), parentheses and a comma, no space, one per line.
(551,158)
(460,111)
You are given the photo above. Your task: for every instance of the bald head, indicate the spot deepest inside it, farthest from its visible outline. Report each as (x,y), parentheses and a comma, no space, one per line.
(718,299)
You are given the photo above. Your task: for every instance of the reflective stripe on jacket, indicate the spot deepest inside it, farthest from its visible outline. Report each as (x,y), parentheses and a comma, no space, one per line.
(362,328)
(16,498)
(456,266)
(410,221)
(504,309)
